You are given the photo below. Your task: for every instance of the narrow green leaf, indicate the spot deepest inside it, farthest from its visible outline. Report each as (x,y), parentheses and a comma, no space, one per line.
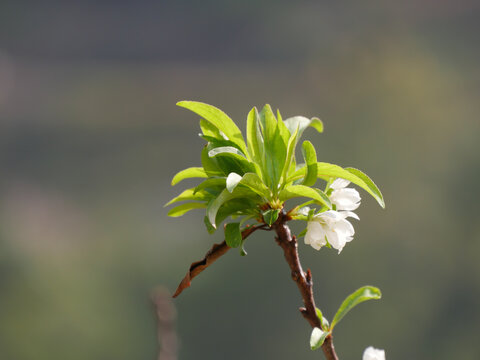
(208,225)
(310,157)
(210,165)
(323,320)
(225,196)
(363,294)
(184,208)
(317,338)
(218,118)
(269,123)
(302,123)
(232,181)
(190,194)
(231,159)
(234,207)
(270,216)
(211,183)
(225,149)
(208,129)
(233,235)
(290,157)
(317,124)
(371,185)
(192,172)
(305,191)
(254,136)
(253,181)
(326,170)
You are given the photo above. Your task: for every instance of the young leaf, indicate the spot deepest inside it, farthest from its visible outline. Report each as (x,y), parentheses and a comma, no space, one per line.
(302,123)
(317,338)
(192,172)
(305,191)
(335,171)
(225,196)
(253,182)
(190,194)
(218,118)
(363,294)
(208,225)
(371,185)
(233,235)
(290,156)
(323,320)
(270,216)
(184,208)
(254,136)
(232,181)
(211,183)
(310,157)
(225,149)
(208,129)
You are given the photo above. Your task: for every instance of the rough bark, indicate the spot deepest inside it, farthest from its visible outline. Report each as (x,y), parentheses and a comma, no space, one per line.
(303,280)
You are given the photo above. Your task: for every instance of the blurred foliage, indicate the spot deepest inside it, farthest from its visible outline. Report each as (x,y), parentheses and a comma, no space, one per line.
(89,143)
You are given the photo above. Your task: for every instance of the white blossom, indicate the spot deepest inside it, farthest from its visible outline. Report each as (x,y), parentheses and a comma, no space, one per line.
(330,226)
(342,197)
(371,353)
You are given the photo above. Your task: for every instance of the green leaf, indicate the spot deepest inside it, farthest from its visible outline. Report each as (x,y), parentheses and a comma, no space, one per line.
(211,183)
(192,172)
(253,182)
(310,157)
(270,216)
(208,225)
(233,235)
(225,149)
(302,123)
(232,181)
(184,208)
(323,320)
(290,156)
(218,118)
(268,122)
(254,136)
(210,130)
(375,191)
(317,338)
(305,191)
(335,171)
(363,294)
(210,165)
(190,194)
(225,196)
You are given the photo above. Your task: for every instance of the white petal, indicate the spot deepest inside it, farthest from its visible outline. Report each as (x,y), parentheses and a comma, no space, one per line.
(334,239)
(349,214)
(339,183)
(371,353)
(345,227)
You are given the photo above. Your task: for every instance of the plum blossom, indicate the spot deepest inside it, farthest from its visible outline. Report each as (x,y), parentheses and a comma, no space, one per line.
(342,197)
(371,353)
(330,226)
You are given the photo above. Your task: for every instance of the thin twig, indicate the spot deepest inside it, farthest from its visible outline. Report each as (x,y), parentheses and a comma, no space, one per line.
(303,280)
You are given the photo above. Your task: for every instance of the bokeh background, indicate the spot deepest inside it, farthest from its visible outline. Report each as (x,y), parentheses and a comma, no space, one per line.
(90,138)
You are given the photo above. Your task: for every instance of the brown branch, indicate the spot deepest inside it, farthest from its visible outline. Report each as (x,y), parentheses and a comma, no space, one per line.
(303,280)
(211,256)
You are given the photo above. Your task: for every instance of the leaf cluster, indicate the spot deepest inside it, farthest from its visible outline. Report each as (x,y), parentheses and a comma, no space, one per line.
(252,179)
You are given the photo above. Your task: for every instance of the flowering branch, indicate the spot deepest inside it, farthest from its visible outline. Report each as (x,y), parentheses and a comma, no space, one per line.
(303,280)
(252,180)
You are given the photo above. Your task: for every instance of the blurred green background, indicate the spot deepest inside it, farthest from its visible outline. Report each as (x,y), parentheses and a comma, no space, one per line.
(90,138)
